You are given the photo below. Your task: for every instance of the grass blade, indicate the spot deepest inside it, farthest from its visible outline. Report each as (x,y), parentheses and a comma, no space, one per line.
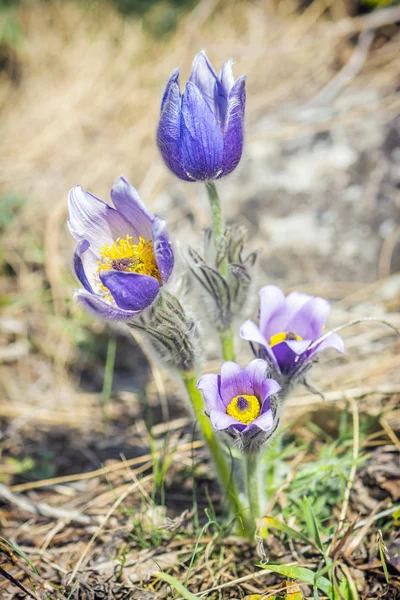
(20,553)
(383,553)
(302,574)
(312,524)
(177,585)
(274,523)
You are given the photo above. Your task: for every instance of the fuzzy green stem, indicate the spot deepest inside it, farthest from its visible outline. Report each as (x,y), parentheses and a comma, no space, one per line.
(227,344)
(218,227)
(218,223)
(224,471)
(253,497)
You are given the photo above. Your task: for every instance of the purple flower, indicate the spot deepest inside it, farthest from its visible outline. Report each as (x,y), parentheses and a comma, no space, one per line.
(240,401)
(200,133)
(290,331)
(123,255)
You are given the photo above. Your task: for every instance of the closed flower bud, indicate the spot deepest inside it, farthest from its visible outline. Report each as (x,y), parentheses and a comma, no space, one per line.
(171,332)
(200,132)
(228,296)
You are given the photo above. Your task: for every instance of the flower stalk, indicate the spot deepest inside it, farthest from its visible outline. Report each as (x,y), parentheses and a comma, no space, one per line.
(218,224)
(225,473)
(218,228)
(252,487)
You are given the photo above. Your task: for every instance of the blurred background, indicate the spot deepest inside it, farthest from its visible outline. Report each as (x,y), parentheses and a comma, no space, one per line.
(318,190)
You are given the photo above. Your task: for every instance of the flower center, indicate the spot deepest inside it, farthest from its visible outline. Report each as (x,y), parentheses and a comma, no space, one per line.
(244,408)
(283,336)
(124,255)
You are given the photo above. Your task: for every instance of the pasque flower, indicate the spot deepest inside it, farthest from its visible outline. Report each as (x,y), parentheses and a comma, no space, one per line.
(289,334)
(241,402)
(200,132)
(123,256)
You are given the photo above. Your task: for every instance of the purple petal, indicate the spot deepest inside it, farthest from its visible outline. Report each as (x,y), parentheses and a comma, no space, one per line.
(308,322)
(263,386)
(79,269)
(162,248)
(169,128)
(269,388)
(93,220)
(250,332)
(272,311)
(233,126)
(265,421)
(225,83)
(103,309)
(333,341)
(202,143)
(220,420)
(285,357)
(226,76)
(174,79)
(205,79)
(257,372)
(295,300)
(131,291)
(298,346)
(234,381)
(128,202)
(209,386)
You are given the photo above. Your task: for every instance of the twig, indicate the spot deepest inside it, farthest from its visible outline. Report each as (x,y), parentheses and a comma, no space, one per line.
(390,433)
(100,528)
(366,522)
(347,73)
(98,472)
(17,584)
(386,254)
(43,509)
(360,392)
(373,20)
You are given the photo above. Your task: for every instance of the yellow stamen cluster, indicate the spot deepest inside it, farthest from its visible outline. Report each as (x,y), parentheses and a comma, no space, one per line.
(244,408)
(124,255)
(283,336)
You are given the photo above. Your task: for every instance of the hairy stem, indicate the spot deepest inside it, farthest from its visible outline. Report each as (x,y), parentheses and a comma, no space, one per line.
(218,227)
(223,469)
(218,222)
(227,344)
(252,490)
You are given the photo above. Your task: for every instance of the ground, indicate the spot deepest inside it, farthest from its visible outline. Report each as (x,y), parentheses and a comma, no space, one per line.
(104,483)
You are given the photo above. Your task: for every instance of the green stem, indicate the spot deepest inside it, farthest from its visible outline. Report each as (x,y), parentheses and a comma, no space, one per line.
(218,226)
(251,471)
(218,223)
(227,344)
(224,471)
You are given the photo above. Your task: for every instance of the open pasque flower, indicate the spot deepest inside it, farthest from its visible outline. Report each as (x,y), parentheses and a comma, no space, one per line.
(241,402)
(289,332)
(200,132)
(123,255)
